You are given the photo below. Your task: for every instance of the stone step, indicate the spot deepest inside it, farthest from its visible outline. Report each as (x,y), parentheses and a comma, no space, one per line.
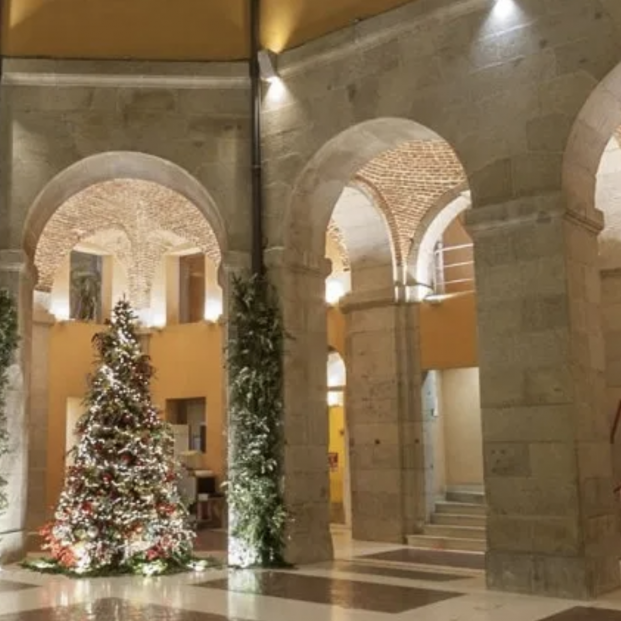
(457,532)
(459,519)
(444,506)
(428,542)
(468,496)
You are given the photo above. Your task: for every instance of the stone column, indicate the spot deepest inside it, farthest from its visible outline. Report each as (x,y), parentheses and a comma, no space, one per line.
(551,510)
(384,417)
(38,510)
(611,324)
(301,287)
(17,275)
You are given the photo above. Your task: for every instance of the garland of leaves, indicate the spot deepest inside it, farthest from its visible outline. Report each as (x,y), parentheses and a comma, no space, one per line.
(9,340)
(254,488)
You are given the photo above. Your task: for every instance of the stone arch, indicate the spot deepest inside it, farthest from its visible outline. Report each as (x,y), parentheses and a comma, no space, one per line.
(334,167)
(88,173)
(324,178)
(380,335)
(595,125)
(367,238)
(429,232)
(118,165)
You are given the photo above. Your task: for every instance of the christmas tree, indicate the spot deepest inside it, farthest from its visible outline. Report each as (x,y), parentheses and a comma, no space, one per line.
(120,510)
(9,340)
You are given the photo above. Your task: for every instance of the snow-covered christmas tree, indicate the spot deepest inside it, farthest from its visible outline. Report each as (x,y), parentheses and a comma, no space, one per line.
(120,510)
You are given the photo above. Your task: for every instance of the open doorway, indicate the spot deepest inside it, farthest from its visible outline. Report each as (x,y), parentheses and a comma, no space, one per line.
(338,453)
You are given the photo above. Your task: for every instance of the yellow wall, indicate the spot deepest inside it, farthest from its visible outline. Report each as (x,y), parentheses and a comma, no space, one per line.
(141,29)
(337,445)
(336,330)
(288,23)
(448,333)
(169,29)
(188,364)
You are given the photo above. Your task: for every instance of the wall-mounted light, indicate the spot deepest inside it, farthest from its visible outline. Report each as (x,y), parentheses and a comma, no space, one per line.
(504,8)
(268,65)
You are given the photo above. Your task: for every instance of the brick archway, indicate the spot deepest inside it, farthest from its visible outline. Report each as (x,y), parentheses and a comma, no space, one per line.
(118,165)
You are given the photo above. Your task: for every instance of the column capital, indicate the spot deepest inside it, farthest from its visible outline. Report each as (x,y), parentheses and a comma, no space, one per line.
(361,300)
(16,260)
(279,257)
(527,211)
(233,263)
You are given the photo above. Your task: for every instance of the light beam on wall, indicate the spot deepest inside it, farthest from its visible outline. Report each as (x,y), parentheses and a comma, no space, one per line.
(335,290)
(268,65)
(213,310)
(60,309)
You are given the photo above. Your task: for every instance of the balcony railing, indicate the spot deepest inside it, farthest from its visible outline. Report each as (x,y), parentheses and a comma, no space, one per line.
(454,269)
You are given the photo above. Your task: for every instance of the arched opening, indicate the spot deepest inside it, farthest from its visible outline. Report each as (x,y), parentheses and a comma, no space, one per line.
(362,202)
(592,189)
(338,445)
(608,201)
(128,225)
(441,272)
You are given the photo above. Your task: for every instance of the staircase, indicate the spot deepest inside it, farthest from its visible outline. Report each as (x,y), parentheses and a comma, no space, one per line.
(457,524)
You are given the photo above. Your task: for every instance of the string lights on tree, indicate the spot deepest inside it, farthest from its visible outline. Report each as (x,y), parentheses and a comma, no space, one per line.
(9,340)
(120,510)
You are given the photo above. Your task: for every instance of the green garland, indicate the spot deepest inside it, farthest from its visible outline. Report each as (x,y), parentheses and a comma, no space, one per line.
(9,340)
(254,488)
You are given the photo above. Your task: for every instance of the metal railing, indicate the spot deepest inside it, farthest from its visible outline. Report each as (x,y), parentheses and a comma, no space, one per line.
(442,268)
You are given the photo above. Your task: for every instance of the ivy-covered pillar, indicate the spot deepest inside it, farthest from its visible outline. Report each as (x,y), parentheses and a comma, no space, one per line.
(384,417)
(300,285)
(17,276)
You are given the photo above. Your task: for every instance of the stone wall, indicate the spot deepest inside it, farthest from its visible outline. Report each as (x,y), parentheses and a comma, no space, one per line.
(68,125)
(512,88)
(504,85)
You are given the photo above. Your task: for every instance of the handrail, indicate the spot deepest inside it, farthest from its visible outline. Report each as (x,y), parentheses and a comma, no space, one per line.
(615,425)
(445,249)
(613,434)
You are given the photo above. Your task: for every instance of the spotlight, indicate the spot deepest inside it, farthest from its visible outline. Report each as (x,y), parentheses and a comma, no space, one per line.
(268,62)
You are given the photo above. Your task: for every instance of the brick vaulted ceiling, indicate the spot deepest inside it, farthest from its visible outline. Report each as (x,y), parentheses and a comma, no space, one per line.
(170,29)
(136,221)
(405,183)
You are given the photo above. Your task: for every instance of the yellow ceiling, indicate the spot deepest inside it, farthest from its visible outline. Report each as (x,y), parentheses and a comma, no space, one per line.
(169,29)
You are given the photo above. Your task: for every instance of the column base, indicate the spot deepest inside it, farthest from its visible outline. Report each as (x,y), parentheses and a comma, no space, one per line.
(582,578)
(12,546)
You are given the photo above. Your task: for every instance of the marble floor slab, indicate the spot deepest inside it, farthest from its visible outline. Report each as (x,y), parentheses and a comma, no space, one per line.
(393,572)
(359,586)
(581,613)
(439,558)
(336,592)
(10,587)
(111,609)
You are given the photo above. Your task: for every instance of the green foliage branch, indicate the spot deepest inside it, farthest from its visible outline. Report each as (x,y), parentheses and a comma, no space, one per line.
(255,485)
(9,340)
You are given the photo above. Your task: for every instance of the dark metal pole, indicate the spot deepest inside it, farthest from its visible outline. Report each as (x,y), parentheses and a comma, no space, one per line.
(257,172)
